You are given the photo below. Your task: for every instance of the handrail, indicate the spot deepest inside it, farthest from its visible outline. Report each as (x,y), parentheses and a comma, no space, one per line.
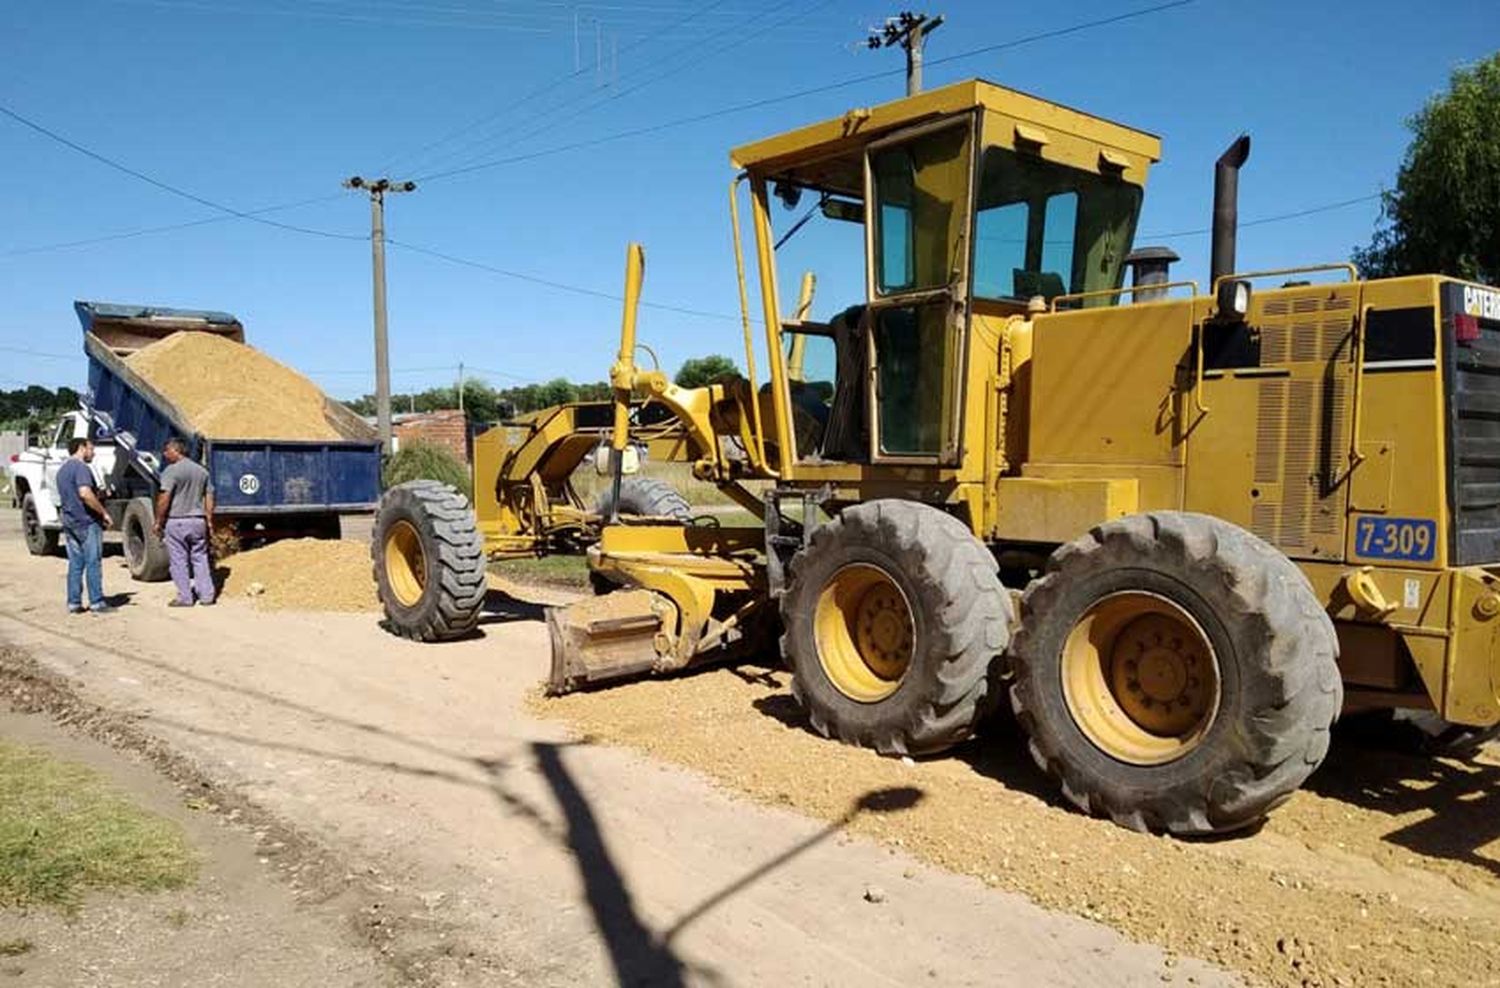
(1101,292)
(739,270)
(1355,456)
(1198,384)
(1345,266)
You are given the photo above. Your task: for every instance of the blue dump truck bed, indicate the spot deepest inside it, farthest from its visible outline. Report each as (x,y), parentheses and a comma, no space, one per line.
(251,477)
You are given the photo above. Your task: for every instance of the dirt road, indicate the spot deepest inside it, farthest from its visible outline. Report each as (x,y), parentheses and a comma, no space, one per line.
(488,847)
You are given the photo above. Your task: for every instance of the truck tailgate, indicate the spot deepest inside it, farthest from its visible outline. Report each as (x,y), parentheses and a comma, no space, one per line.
(256,477)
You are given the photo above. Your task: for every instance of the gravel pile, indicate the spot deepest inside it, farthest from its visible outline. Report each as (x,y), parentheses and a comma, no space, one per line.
(228,390)
(1383,872)
(304,575)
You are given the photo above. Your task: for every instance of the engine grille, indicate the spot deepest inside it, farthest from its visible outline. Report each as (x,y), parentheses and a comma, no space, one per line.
(1473,378)
(1301,419)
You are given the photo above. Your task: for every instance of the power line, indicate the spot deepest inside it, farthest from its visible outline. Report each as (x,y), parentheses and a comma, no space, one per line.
(254,215)
(167,228)
(165,186)
(1311,210)
(39,353)
(535,92)
(559,285)
(802,93)
(737,29)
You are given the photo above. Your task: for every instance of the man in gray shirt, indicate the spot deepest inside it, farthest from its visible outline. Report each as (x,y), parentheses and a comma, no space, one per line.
(184,519)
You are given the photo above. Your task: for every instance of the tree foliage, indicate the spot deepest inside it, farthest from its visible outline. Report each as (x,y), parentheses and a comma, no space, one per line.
(30,408)
(486,404)
(1443,216)
(698,371)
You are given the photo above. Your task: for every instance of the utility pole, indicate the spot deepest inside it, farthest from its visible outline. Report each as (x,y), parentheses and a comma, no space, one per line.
(910,31)
(460,385)
(377,188)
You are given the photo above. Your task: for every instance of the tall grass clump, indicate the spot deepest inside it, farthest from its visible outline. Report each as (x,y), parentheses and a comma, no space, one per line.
(418,459)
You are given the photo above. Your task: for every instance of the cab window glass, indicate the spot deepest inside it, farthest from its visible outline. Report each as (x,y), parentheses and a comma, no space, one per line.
(1000,248)
(916,359)
(812,374)
(1078,227)
(921,202)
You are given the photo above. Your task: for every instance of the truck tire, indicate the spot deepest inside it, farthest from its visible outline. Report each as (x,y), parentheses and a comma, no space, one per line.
(39,541)
(429,562)
(893,619)
(645,496)
(1176,673)
(145,553)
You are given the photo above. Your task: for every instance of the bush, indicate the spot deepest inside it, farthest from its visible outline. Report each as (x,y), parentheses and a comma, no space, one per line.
(421,460)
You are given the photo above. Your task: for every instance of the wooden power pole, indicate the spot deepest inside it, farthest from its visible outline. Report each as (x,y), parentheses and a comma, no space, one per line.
(910,31)
(377,189)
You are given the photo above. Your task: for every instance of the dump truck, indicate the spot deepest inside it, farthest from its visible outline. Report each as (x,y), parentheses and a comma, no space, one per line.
(1175,528)
(264,489)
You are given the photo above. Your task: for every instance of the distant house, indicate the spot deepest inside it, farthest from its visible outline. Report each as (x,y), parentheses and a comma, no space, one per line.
(448,428)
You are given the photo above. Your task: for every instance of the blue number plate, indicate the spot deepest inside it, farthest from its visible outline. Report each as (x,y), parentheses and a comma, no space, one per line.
(1411,539)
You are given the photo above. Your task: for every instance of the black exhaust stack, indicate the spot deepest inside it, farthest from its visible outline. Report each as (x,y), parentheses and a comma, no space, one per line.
(1227,206)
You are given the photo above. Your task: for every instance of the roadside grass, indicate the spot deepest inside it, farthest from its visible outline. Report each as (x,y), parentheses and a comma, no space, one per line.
(64,830)
(16,947)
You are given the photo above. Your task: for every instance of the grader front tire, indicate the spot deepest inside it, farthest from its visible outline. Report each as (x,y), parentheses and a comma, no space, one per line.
(429,562)
(1176,673)
(893,618)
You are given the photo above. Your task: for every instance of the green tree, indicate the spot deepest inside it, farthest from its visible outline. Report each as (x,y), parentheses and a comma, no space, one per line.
(1443,216)
(698,371)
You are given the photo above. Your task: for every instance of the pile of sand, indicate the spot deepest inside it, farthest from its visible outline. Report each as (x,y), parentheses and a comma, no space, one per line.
(228,390)
(304,575)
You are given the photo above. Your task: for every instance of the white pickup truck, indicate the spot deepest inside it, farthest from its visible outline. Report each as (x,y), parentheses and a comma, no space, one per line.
(33,480)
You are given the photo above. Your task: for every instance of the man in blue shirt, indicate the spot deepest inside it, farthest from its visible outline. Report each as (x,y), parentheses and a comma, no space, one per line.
(84,521)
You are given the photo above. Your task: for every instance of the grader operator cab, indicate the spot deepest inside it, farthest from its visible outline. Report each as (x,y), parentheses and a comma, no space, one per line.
(1176,531)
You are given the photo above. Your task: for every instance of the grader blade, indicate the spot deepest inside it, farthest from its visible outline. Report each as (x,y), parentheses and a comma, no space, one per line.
(617,636)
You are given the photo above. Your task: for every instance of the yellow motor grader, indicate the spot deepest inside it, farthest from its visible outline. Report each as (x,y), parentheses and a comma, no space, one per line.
(1178,530)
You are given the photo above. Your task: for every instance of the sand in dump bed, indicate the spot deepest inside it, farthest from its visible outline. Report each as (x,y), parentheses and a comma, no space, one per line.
(229,390)
(304,575)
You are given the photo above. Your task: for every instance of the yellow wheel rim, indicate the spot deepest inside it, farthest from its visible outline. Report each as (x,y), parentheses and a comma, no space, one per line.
(865,633)
(405,563)
(1140,678)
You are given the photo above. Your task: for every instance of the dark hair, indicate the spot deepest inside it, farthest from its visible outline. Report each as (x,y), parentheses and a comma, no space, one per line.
(177,444)
(77,443)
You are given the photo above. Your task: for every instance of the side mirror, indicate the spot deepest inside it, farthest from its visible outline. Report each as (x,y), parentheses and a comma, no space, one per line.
(843,209)
(1234,300)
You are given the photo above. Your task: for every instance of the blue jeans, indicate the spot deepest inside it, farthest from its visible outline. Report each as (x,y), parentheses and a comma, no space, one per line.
(85,558)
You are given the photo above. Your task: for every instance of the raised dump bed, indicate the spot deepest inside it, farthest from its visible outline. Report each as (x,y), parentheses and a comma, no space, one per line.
(285,459)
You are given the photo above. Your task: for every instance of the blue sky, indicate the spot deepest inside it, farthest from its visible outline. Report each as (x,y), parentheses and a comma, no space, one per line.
(253,103)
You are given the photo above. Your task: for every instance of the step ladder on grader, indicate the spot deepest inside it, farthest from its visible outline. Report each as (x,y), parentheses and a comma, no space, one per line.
(1176,532)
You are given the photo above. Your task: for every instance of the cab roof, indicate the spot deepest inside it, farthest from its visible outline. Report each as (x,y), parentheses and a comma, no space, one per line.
(858,126)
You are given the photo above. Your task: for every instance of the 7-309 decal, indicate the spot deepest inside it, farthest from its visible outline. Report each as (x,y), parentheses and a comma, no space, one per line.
(1411,539)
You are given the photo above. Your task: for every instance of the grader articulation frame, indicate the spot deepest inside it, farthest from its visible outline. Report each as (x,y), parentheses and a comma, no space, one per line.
(1177,531)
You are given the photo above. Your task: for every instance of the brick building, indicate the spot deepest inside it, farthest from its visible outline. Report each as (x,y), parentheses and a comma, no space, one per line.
(449,428)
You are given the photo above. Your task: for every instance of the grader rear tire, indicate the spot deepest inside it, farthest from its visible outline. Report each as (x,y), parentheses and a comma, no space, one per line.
(429,562)
(893,618)
(1176,673)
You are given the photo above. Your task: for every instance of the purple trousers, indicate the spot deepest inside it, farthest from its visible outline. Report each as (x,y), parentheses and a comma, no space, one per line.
(187,543)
